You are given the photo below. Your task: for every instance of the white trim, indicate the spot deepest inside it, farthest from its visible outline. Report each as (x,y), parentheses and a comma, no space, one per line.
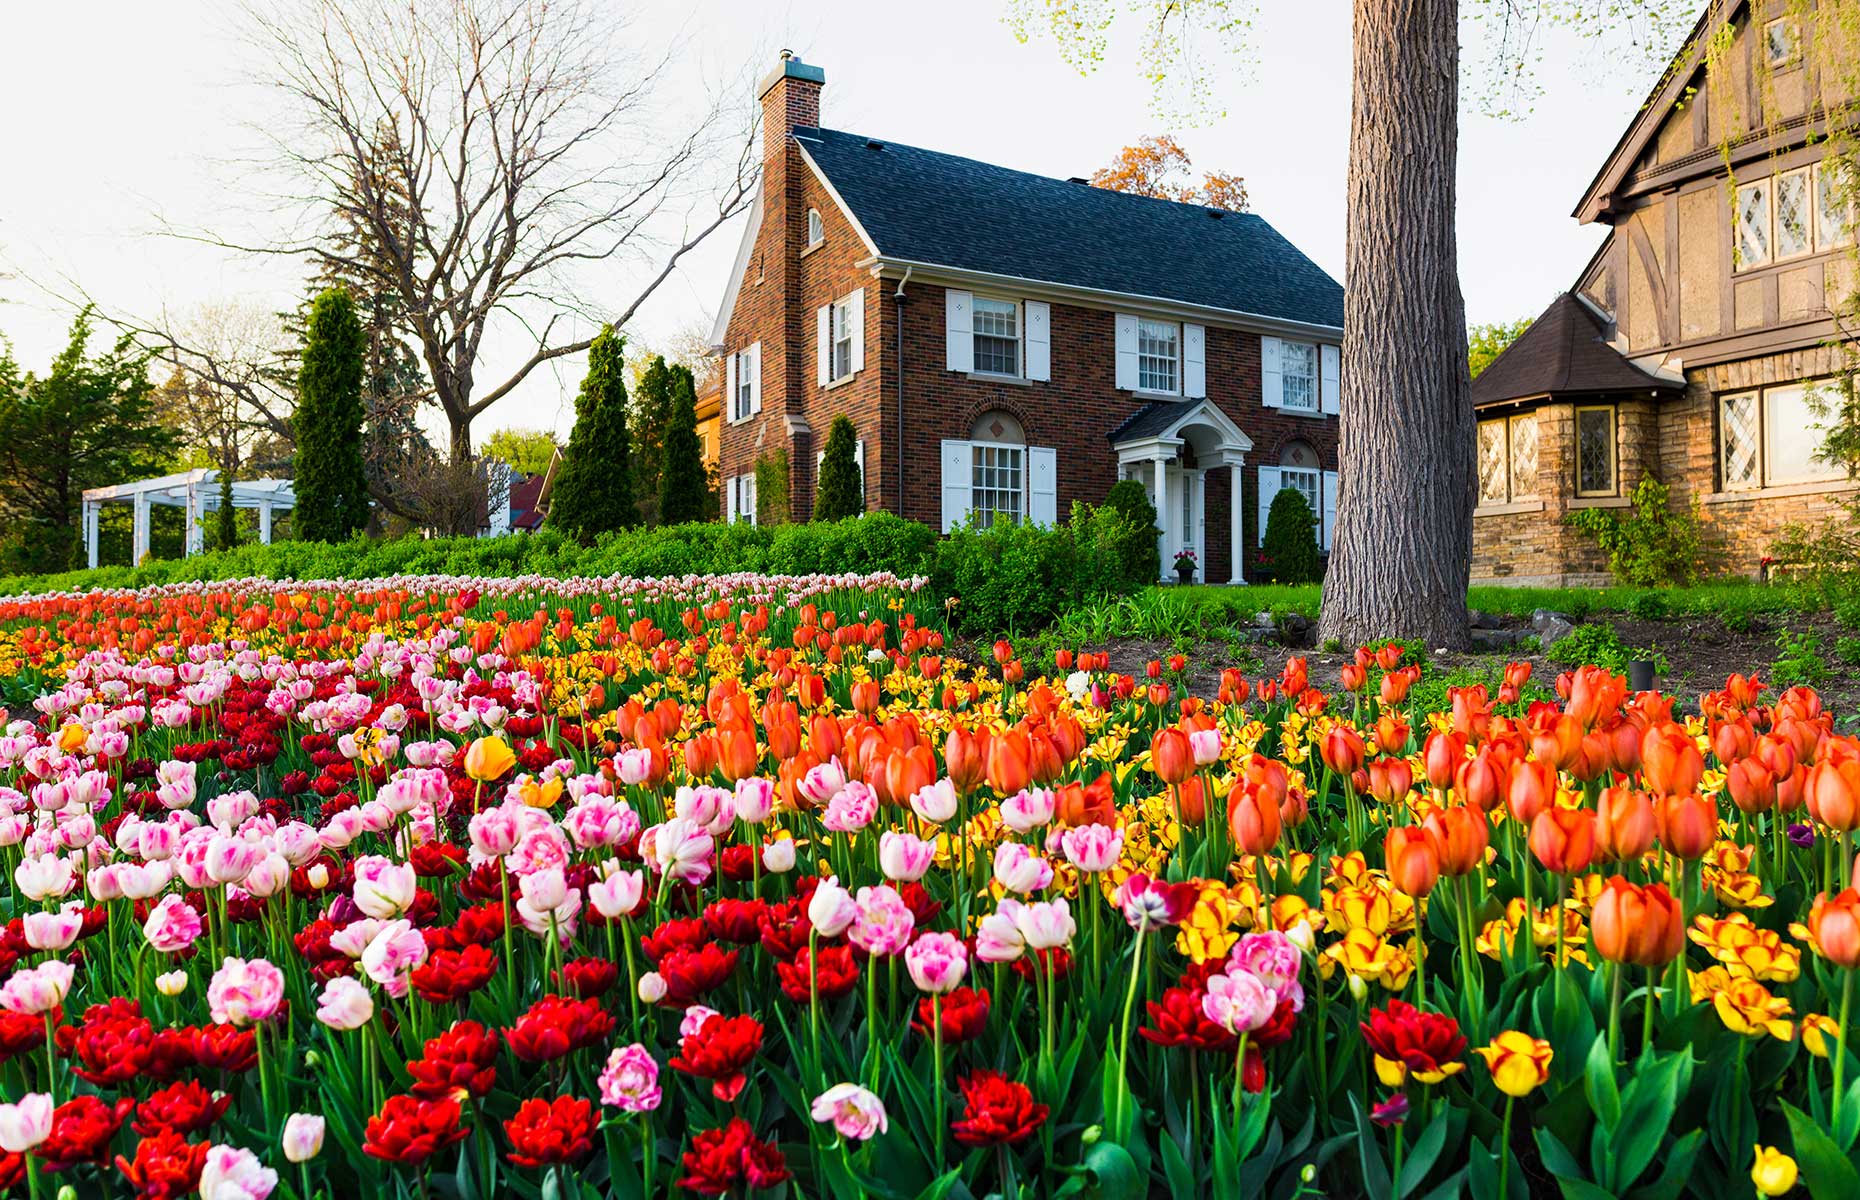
(1148,306)
(845,208)
(720,328)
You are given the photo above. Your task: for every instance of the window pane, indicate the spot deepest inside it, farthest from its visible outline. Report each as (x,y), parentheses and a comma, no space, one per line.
(1753,225)
(1492,462)
(1792,214)
(1304,482)
(1792,432)
(1156,356)
(1779,41)
(841,365)
(1595,450)
(1523,457)
(995,482)
(1833,206)
(1298,370)
(1737,440)
(815,231)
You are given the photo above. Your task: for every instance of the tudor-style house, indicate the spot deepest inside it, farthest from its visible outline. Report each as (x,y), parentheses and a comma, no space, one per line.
(1006,344)
(1695,342)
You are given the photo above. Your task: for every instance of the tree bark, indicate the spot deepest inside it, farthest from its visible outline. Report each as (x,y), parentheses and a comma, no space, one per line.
(1402,550)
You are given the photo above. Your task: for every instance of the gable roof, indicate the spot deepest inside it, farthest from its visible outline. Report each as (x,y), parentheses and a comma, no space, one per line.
(1564,351)
(924,207)
(1648,118)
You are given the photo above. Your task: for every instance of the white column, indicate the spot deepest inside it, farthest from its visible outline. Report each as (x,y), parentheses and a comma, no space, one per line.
(264,521)
(139,532)
(1236,510)
(192,542)
(1164,557)
(90,532)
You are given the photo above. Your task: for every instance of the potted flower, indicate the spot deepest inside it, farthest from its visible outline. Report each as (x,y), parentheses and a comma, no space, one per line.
(1185,566)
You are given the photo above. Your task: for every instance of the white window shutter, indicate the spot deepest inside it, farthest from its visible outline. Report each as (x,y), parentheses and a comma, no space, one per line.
(1330,385)
(823,344)
(729,499)
(1042,485)
(1271,378)
(1038,317)
(1330,507)
(729,388)
(959,330)
(858,331)
(1268,488)
(755,378)
(1194,362)
(958,482)
(1126,353)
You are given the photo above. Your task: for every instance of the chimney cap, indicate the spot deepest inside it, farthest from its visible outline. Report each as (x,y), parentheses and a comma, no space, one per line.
(791,67)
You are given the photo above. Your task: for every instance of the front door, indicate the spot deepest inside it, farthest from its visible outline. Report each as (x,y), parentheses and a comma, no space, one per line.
(1183,518)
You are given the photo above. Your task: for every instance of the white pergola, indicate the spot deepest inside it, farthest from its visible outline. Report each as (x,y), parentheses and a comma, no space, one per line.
(197,491)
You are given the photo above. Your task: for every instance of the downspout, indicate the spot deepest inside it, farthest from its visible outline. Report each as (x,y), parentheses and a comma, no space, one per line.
(900,299)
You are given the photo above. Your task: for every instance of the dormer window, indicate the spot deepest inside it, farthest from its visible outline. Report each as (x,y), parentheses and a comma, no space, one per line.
(816,229)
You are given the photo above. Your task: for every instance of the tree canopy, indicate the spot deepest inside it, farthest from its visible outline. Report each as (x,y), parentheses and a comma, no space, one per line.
(683,485)
(331,484)
(1486,342)
(525,450)
(593,490)
(1158,167)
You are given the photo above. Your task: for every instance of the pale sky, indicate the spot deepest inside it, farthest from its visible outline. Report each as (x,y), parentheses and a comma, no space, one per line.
(120,115)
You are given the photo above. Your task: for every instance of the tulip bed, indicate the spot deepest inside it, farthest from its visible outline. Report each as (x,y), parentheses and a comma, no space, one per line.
(747,886)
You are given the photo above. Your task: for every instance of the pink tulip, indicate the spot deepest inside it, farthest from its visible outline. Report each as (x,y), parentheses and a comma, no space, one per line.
(1027,809)
(344,1004)
(303,1137)
(904,857)
(384,888)
(854,1112)
(851,809)
(884,923)
(172,925)
(53,930)
(937,962)
(935,803)
(1274,960)
(34,990)
(630,1081)
(1019,869)
(1046,924)
(1205,745)
(242,991)
(822,782)
(618,894)
(25,1124)
(1238,1002)
(680,848)
(232,1173)
(831,909)
(1093,849)
(392,954)
(755,799)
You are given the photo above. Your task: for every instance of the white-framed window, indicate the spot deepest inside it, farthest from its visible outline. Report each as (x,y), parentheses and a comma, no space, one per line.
(998,482)
(1595,450)
(841,360)
(1307,483)
(816,229)
(997,336)
(1780,38)
(1771,437)
(1298,367)
(742,498)
(1159,356)
(1508,459)
(1834,207)
(1753,224)
(742,403)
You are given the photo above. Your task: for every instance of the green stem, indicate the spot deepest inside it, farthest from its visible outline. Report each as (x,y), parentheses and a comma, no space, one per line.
(1504,1149)
(1840,1046)
(936,1037)
(813,1001)
(1614,1015)
(1123,1046)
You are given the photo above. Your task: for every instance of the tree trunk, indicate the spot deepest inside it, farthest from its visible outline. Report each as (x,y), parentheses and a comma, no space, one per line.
(1402,549)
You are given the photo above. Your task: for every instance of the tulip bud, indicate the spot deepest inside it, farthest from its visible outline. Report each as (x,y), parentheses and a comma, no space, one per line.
(303,1137)
(1412,855)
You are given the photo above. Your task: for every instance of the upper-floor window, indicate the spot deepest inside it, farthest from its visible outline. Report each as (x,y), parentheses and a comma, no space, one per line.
(816,230)
(1508,459)
(1792,213)
(1159,356)
(1595,450)
(743,402)
(997,336)
(1298,367)
(1780,38)
(840,362)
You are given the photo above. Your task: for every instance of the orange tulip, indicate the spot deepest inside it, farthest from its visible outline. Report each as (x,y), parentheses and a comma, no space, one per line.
(1688,825)
(701,756)
(1639,925)
(1009,768)
(1191,801)
(1670,761)
(1253,819)
(1390,779)
(1171,757)
(965,757)
(908,772)
(1478,782)
(1752,787)
(1834,793)
(1834,923)
(1412,856)
(1462,834)
(1533,789)
(1343,750)
(1624,824)
(1442,756)
(1563,839)
(1091,803)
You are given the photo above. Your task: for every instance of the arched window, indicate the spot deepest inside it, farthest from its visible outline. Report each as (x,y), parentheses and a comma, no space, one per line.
(998,467)
(1299,468)
(816,230)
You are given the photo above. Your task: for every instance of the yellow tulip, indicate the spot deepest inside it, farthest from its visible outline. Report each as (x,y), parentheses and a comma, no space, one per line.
(489,758)
(540,795)
(1773,1171)
(72,737)
(1747,1007)
(1520,1063)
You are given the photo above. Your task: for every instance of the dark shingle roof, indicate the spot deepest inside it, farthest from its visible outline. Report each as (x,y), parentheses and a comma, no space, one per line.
(1148,421)
(1565,350)
(926,207)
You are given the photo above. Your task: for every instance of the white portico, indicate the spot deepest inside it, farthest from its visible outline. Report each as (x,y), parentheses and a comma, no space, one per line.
(1173,447)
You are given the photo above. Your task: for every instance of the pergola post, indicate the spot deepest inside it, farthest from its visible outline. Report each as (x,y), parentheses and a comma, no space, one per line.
(264,522)
(139,531)
(90,533)
(194,541)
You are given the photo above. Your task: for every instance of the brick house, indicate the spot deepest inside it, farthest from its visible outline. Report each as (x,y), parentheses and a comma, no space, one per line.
(1006,343)
(1696,340)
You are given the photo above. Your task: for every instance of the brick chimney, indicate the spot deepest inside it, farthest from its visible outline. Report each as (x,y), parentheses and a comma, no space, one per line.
(790,96)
